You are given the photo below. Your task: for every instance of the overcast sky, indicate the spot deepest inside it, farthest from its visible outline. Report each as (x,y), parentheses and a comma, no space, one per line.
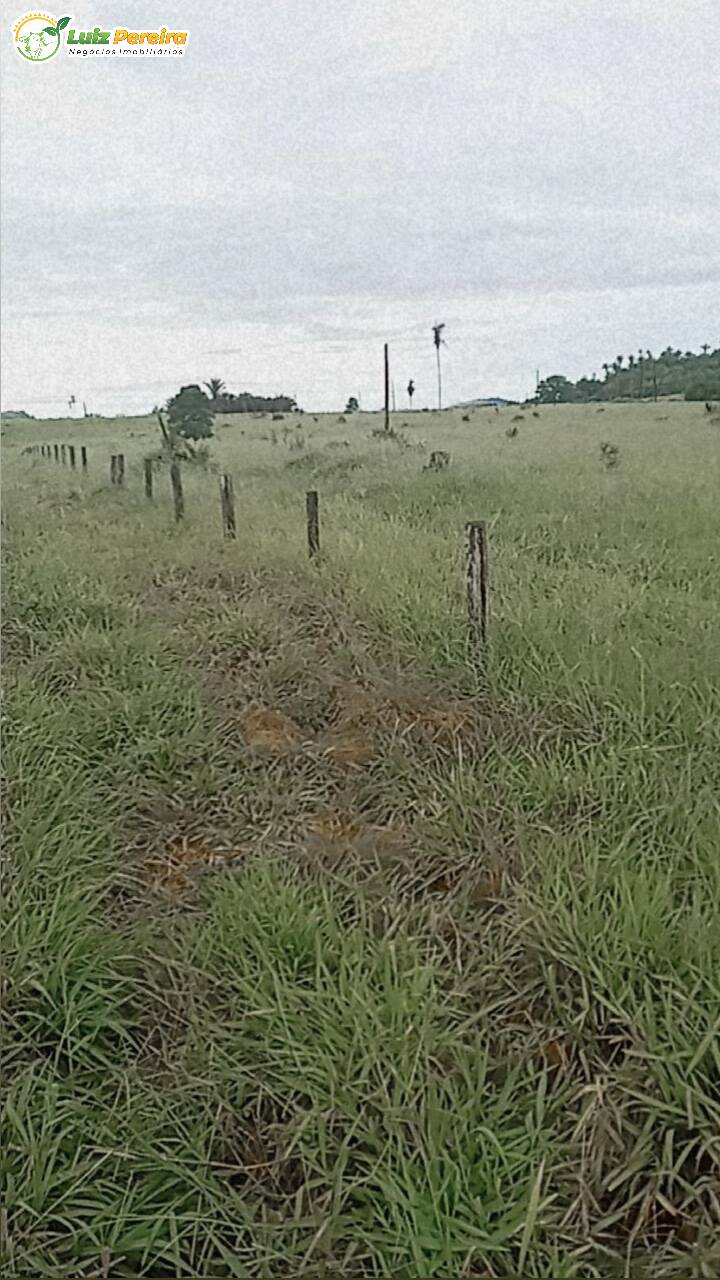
(315,177)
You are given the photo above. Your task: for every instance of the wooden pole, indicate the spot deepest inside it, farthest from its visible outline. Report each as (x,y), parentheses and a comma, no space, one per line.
(477,581)
(83,457)
(63,457)
(56,451)
(227,505)
(120,478)
(177,489)
(113,469)
(148,469)
(387,388)
(71,455)
(313,523)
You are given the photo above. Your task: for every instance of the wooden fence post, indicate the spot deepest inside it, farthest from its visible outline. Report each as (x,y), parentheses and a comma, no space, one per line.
(71,455)
(177,489)
(227,505)
(56,452)
(148,479)
(120,472)
(63,458)
(313,523)
(113,468)
(83,457)
(477,580)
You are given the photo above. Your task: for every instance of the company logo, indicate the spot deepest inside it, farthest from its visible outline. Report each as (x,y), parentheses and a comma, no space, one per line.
(37,36)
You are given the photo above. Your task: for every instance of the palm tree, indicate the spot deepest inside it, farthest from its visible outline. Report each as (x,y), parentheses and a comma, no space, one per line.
(215,386)
(410,391)
(606,370)
(439,341)
(705,348)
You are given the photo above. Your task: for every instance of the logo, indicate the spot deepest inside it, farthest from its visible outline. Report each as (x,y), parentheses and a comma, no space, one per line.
(37,36)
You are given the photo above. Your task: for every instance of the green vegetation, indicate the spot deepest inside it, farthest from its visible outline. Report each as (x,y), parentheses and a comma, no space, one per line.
(328,952)
(190,414)
(673,373)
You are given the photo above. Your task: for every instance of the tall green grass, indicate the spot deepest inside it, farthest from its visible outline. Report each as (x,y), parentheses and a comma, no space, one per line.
(491,1051)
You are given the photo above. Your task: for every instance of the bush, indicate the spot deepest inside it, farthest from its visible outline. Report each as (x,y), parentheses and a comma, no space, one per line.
(707,390)
(190,415)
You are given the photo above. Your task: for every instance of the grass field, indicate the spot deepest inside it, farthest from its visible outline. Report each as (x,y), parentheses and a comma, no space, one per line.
(328,951)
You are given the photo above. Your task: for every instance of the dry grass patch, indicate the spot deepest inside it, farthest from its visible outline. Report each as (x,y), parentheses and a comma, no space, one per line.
(348,748)
(271,733)
(176,868)
(444,722)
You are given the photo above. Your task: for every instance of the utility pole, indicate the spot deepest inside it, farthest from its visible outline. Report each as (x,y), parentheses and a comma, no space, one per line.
(387,388)
(438,341)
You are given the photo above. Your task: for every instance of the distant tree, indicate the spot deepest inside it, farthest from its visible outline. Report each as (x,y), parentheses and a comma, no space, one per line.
(352,405)
(672,372)
(215,387)
(189,414)
(556,390)
(245,402)
(588,389)
(439,341)
(411,392)
(704,389)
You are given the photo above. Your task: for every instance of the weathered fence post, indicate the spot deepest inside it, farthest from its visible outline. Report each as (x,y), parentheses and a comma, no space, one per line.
(113,468)
(63,457)
(56,451)
(313,523)
(71,455)
(477,580)
(177,489)
(83,457)
(148,479)
(120,470)
(227,505)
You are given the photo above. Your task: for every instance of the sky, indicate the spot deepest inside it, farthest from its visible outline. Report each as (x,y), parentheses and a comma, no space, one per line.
(314,178)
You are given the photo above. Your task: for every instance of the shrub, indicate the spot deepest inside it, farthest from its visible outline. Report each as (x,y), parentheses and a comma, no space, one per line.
(190,415)
(708,389)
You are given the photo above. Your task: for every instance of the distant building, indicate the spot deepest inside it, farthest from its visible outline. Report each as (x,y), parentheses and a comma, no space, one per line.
(489,402)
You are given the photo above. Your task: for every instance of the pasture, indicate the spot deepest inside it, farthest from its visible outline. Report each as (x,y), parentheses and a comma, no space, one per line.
(329,950)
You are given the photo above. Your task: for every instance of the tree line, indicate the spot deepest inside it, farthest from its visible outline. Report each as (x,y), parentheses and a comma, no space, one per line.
(224,401)
(695,376)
